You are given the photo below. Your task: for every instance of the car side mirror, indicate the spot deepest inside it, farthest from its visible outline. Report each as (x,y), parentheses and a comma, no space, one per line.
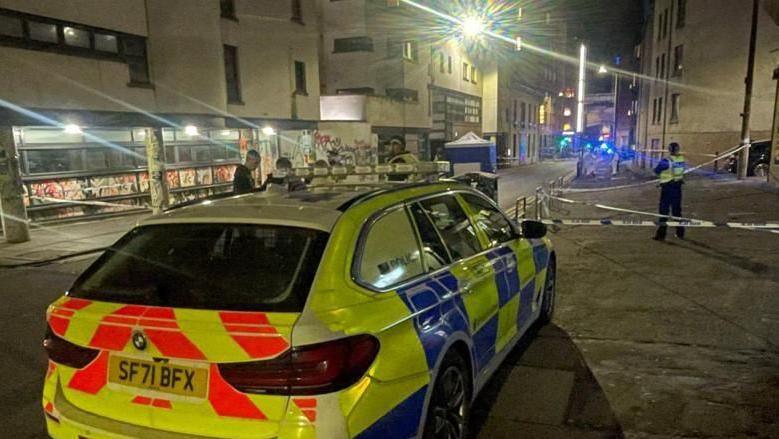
(532,229)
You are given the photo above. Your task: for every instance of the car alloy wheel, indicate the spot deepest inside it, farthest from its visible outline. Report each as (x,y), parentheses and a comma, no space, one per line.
(450,401)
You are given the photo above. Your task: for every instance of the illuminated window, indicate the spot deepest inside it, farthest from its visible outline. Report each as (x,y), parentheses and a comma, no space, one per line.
(410,50)
(678,60)
(466,72)
(76,37)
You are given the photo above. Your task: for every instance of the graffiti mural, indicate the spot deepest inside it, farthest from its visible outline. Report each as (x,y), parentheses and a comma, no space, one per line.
(335,151)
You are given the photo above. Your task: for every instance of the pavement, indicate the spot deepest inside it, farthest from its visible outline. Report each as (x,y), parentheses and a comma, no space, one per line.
(680,335)
(55,241)
(650,340)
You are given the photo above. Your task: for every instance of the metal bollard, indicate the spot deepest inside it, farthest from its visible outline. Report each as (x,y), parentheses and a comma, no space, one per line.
(539,197)
(524,207)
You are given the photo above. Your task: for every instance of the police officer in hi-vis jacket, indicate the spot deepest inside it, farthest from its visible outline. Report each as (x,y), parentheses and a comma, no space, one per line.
(671,173)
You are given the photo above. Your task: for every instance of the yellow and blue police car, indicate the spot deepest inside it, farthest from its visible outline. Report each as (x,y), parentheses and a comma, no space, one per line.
(332,313)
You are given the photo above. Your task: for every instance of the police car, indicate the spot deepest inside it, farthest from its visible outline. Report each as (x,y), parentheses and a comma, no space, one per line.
(339,312)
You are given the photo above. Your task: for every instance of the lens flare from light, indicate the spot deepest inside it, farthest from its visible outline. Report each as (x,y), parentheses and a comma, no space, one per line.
(268,131)
(72,128)
(190,130)
(472,26)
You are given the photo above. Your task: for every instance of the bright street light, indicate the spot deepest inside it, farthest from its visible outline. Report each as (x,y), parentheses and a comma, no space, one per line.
(581,90)
(268,131)
(72,129)
(472,26)
(602,69)
(190,130)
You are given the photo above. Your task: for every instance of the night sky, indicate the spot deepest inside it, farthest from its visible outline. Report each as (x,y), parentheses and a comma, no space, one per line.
(609,26)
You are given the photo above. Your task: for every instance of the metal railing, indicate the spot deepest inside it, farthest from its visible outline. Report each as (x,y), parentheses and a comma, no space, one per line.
(541,204)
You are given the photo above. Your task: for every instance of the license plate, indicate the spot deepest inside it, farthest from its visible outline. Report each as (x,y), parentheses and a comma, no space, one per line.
(159,376)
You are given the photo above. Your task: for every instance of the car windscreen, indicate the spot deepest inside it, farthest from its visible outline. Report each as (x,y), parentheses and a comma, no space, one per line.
(233,267)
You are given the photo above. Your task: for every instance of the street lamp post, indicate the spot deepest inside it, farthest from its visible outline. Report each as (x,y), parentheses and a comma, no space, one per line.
(615,93)
(743,161)
(580,107)
(773,170)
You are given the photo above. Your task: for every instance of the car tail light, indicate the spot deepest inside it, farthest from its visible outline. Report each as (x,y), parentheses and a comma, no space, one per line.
(66,353)
(306,370)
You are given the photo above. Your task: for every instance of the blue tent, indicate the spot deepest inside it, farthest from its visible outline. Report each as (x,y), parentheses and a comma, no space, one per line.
(471,153)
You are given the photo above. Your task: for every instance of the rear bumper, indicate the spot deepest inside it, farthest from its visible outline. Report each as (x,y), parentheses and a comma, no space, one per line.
(70,422)
(66,421)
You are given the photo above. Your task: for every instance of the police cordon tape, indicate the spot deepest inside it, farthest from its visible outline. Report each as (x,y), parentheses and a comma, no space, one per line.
(770,227)
(89,203)
(667,220)
(657,180)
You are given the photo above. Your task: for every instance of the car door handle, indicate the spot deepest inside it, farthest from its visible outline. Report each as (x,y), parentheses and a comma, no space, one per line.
(481,269)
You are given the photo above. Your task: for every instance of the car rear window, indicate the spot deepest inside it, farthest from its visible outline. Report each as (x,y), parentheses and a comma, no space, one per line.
(231,267)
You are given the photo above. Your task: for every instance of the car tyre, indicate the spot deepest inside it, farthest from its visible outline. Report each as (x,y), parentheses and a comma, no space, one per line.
(548,299)
(450,404)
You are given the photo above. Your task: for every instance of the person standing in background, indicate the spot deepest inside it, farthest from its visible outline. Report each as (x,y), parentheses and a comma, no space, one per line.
(671,173)
(243,181)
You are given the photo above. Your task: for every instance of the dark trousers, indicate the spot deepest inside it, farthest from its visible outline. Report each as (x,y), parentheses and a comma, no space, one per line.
(670,202)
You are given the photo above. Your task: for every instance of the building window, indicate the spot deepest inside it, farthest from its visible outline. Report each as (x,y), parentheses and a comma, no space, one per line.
(297,11)
(50,35)
(654,111)
(354,44)
(681,13)
(403,94)
(659,110)
(106,43)
(227,9)
(466,72)
(442,62)
(678,60)
(675,101)
(657,67)
(523,113)
(300,78)
(662,66)
(473,74)
(665,23)
(449,68)
(355,91)
(11,26)
(134,49)
(44,32)
(410,50)
(76,37)
(232,76)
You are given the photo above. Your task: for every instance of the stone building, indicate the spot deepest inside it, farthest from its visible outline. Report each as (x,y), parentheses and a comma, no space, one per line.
(694,61)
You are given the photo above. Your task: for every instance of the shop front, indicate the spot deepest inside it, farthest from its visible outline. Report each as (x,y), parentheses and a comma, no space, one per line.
(83,172)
